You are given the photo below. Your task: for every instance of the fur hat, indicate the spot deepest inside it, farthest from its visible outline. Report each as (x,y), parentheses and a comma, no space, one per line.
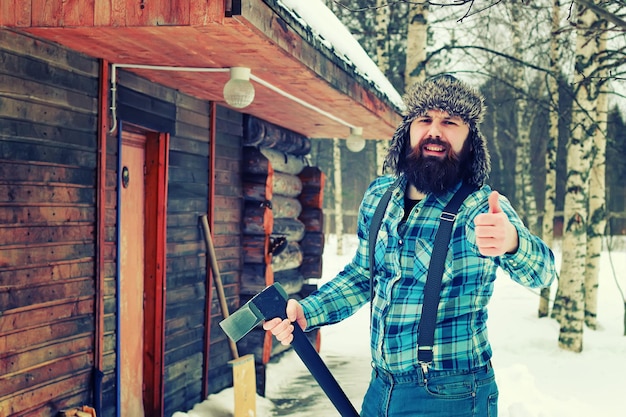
(446,93)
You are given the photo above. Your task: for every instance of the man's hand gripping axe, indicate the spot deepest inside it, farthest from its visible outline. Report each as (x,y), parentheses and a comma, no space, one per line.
(270,303)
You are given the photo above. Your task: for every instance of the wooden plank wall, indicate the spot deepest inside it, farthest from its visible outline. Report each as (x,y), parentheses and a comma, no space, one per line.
(48,159)
(48,162)
(227,237)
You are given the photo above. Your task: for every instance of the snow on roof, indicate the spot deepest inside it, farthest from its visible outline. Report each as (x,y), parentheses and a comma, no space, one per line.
(323,23)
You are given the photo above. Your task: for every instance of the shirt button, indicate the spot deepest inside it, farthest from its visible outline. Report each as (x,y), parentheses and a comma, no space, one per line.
(401,242)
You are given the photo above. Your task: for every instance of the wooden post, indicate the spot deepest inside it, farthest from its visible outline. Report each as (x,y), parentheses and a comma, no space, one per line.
(245,392)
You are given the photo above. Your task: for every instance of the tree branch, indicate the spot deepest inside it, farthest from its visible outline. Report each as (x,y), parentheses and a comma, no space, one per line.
(611,17)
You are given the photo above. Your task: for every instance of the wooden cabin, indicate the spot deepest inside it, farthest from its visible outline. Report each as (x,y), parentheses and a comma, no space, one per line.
(108,163)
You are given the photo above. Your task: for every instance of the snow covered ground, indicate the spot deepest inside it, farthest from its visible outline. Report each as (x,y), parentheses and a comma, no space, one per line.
(535,377)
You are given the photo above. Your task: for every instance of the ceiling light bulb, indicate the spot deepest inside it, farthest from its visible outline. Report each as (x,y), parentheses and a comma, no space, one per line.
(239,91)
(355,141)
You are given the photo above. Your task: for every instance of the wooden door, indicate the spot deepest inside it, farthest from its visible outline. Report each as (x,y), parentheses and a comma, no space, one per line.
(132,274)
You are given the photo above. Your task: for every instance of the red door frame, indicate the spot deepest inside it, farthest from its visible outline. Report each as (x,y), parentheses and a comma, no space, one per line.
(157,150)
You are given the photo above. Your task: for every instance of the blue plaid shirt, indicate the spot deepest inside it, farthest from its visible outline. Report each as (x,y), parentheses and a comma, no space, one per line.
(402,255)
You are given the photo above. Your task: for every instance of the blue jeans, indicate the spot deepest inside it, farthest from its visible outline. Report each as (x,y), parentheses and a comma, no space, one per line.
(436,393)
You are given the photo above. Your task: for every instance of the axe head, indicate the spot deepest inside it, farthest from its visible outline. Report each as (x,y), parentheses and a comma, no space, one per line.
(269,303)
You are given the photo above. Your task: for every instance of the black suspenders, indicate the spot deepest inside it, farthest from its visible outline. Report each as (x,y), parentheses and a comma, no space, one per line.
(432,289)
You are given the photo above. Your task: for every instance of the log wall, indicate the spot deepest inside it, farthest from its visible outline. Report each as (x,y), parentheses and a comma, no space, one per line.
(273,162)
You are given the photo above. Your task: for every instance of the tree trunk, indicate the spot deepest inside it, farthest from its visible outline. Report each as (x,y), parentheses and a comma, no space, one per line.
(381,151)
(597,203)
(547,228)
(382,38)
(417,36)
(571,289)
(524,195)
(338,196)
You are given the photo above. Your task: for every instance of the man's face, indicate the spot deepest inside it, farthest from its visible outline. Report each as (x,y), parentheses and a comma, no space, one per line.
(438,155)
(438,134)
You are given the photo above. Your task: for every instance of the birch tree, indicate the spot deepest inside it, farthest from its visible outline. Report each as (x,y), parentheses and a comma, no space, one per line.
(549,207)
(583,130)
(597,198)
(416,42)
(524,195)
(382,54)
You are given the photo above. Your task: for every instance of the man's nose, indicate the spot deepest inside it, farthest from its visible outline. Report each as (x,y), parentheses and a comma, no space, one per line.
(434,130)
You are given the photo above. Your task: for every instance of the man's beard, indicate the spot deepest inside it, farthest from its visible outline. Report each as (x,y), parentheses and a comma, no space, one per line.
(431,174)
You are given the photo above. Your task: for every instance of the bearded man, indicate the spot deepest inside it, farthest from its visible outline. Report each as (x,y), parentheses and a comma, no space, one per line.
(435,153)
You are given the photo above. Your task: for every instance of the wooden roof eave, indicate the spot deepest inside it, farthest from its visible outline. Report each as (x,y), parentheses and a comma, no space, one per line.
(262,37)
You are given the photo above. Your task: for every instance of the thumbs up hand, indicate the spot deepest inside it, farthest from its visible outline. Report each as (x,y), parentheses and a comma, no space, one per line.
(495,235)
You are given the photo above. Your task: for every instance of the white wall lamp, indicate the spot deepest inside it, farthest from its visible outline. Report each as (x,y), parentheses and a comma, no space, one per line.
(239,91)
(355,141)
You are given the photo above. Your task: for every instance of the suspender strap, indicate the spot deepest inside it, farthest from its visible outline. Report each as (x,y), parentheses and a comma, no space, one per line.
(432,289)
(377,219)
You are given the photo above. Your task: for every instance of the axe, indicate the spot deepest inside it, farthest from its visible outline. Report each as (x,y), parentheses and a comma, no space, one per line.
(270,303)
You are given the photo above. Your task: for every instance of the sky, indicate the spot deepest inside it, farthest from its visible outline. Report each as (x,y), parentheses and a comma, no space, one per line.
(535,377)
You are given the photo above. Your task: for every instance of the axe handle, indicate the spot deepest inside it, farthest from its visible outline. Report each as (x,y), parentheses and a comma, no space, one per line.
(321,373)
(217,279)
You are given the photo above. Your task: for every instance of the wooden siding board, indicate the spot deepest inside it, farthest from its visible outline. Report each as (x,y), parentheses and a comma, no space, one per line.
(46,114)
(194,118)
(189,161)
(178,234)
(183,219)
(46,153)
(51,272)
(183,191)
(29,172)
(22,402)
(50,194)
(43,214)
(45,52)
(48,370)
(21,131)
(49,333)
(197,206)
(50,233)
(17,85)
(183,175)
(40,255)
(186,130)
(18,297)
(138,83)
(14,361)
(17,13)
